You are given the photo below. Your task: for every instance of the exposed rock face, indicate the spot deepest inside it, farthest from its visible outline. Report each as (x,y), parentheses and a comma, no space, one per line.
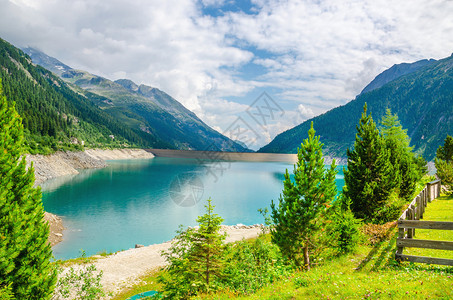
(60,164)
(68,163)
(117,154)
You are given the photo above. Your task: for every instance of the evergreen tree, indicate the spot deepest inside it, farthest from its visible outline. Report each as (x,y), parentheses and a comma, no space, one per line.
(24,251)
(369,177)
(195,258)
(296,219)
(401,156)
(444,163)
(445,152)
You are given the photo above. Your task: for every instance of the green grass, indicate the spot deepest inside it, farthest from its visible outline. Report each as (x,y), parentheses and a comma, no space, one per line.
(147,283)
(370,273)
(440,209)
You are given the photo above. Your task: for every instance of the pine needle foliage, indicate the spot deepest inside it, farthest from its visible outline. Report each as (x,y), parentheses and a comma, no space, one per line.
(445,152)
(369,176)
(444,163)
(410,168)
(24,250)
(195,259)
(297,216)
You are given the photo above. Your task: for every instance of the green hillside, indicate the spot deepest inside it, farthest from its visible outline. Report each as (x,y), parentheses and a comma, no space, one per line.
(55,116)
(141,107)
(423,101)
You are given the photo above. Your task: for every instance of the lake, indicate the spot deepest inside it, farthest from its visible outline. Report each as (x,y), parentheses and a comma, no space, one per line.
(144,201)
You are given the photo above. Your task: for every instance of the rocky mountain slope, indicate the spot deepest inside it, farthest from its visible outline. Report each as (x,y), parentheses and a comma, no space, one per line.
(55,117)
(395,72)
(422,99)
(142,108)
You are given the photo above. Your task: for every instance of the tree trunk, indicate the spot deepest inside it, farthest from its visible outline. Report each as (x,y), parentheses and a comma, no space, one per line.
(306,257)
(207,269)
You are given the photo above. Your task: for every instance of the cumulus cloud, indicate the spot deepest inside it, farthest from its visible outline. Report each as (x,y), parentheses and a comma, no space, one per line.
(312,55)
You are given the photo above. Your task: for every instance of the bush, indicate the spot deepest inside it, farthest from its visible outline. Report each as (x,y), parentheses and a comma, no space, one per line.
(445,173)
(444,163)
(251,265)
(195,258)
(81,284)
(342,229)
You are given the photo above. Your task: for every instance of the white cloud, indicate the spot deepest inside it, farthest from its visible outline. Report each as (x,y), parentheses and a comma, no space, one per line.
(315,55)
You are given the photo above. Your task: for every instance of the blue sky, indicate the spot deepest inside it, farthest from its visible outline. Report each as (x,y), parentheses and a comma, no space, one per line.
(218,56)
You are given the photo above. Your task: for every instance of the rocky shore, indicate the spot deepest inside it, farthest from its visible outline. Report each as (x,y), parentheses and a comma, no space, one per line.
(126,268)
(68,163)
(55,228)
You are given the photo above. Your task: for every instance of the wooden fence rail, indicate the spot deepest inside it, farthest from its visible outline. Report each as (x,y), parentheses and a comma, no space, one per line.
(410,220)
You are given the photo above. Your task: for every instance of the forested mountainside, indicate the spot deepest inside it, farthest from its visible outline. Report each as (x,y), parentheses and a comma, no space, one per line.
(55,116)
(141,108)
(395,72)
(422,99)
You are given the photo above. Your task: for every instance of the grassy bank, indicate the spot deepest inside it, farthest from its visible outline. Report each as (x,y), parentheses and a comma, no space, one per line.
(370,273)
(441,209)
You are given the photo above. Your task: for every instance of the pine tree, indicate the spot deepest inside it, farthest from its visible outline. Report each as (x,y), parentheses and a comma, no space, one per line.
(370,176)
(401,156)
(444,163)
(303,201)
(24,250)
(445,152)
(195,258)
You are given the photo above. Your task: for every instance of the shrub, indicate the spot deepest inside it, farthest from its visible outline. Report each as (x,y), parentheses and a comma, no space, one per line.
(80,284)
(444,163)
(251,265)
(195,258)
(342,231)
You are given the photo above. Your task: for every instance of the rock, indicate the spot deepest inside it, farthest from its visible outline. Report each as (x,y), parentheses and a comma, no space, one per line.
(58,234)
(139,246)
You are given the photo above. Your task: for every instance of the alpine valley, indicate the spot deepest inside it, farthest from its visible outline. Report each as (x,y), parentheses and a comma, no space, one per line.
(66,109)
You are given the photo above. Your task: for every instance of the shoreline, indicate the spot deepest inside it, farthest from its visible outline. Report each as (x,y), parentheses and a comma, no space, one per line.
(61,163)
(69,163)
(126,268)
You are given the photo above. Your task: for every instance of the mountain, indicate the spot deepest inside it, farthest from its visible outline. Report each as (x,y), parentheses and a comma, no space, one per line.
(395,72)
(141,107)
(50,63)
(55,117)
(422,99)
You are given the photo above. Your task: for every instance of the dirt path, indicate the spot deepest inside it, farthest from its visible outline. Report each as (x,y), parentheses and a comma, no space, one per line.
(125,268)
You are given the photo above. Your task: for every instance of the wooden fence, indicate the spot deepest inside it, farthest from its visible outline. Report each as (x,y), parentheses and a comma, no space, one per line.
(410,220)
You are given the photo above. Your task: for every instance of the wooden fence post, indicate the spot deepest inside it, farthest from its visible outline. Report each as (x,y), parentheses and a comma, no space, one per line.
(439,188)
(410,216)
(401,235)
(418,206)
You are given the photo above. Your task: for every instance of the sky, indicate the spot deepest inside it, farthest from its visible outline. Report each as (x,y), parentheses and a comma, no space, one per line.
(255,67)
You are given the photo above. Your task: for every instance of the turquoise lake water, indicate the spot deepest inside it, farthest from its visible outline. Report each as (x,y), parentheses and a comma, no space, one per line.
(144,201)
